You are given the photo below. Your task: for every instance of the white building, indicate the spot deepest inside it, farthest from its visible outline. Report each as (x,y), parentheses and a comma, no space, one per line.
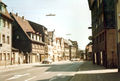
(5,35)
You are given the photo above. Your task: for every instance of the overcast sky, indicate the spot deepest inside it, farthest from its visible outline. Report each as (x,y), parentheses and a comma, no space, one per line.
(72,16)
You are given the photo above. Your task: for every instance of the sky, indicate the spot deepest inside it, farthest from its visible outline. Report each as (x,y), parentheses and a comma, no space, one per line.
(72,19)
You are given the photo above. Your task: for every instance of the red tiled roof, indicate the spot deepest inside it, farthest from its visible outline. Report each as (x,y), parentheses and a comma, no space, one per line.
(24,24)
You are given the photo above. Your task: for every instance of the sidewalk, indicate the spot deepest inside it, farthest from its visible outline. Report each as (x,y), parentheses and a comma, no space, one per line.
(17,66)
(22,66)
(91,72)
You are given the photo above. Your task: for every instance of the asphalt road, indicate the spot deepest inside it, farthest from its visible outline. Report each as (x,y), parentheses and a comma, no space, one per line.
(62,71)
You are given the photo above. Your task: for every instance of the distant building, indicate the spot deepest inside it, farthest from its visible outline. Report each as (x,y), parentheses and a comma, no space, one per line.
(5,35)
(60,47)
(88,51)
(104,32)
(66,50)
(51,37)
(42,30)
(27,40)
(74,49)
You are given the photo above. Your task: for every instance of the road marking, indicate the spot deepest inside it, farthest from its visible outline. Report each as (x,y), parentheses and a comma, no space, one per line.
(53,78)
(35,69)
(30,78)
(18,76)
(5,75)
(47,72)
(59,74)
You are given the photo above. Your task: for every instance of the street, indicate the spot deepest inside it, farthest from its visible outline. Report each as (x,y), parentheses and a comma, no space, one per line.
(61,71)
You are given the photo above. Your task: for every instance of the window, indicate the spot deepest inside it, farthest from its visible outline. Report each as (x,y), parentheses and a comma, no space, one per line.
(98,3)
(3,22)
(0,56)
(39,38)
(36,37)
(102,36)
(2,8)
(8,56)
(0,37)
(5,56)
(8,40)
(0,22)
(3,38)
(9,25)
(102,17)
(17,37)
(32,36)
(6,23)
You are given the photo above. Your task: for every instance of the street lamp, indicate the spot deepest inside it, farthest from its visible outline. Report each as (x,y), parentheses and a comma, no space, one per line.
(50,14)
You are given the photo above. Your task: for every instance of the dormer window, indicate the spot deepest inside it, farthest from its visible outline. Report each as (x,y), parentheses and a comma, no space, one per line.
(2,8)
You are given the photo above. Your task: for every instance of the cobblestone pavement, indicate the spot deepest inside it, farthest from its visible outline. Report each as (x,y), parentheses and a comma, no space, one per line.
(91,72)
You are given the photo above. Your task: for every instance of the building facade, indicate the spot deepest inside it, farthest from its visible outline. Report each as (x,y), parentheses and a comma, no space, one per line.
(88,51)
(51,36)
(74,49)
(27,40)
(118,30)
(67,50)
(40,29)
(60,47)
(104,32)
(5,35)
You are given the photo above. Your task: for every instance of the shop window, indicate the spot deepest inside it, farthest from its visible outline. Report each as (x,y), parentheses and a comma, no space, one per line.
(3,38)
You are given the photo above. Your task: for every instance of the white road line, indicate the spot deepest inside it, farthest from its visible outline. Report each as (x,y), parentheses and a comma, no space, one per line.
(18,76)
(53,78)
(35,69)
(5,75)
(59,74)
(47,72)
(30,78)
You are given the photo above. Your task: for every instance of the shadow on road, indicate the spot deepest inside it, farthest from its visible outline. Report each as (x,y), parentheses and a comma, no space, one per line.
(73,67)
(92,72)
(58,78)
(68,67)
(97,77)
(88,65)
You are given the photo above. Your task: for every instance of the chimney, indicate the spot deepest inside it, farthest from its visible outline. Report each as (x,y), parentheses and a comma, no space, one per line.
(22,17)
(16,14)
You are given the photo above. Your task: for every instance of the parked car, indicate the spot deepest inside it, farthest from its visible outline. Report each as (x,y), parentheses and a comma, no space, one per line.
(75,59)
(47,61)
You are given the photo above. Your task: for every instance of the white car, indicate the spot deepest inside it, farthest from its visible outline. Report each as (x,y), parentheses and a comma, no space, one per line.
(47,61)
